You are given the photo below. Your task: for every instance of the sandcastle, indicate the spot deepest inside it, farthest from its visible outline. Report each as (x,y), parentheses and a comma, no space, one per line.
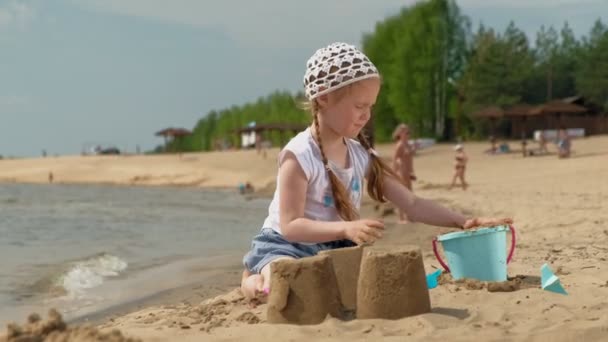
(304,291)
(392,284)
(346,263)
(369,282)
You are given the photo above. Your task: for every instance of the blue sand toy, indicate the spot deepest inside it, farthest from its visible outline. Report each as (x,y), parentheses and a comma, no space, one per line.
(549,281)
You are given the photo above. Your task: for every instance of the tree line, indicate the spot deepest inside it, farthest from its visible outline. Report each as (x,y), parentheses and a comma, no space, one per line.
(437,70)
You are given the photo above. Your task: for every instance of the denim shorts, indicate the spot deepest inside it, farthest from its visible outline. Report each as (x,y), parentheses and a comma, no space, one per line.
(269,245)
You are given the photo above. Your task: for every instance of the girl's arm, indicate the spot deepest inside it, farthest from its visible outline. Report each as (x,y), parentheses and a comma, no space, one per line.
(426,211)
(411,161)
(397,154)
(420,209)
(295,227)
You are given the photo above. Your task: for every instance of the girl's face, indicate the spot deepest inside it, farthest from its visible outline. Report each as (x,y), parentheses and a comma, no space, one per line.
(347,110)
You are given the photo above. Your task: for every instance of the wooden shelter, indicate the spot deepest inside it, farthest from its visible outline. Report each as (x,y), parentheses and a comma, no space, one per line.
(171,133)
(491,113)
(524,119)
(250,134)
(555,111)
(520,116)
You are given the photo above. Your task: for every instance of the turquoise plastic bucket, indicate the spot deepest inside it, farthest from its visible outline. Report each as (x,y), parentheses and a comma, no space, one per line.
(478,254)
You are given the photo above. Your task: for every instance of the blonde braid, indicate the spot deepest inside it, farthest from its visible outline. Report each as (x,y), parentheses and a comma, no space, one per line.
(344,206)
(378,170)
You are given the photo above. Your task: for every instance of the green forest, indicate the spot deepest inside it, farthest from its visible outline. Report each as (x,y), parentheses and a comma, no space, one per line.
(436,70)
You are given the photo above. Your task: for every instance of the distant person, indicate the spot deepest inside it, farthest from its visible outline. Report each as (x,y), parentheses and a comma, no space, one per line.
(51,177)
(564,144)
(504,147)
(524,147)
(261,145)
(403,160)
(322,170)
(460,166)
(258,142)
(542,143)
(493,148)
(245,188)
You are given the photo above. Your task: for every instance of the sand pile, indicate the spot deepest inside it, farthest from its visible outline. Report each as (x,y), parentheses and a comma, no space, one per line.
(304,291)
(347,264)
(512,284)
(392,284)
(348,283)
(228,310)
(54,329)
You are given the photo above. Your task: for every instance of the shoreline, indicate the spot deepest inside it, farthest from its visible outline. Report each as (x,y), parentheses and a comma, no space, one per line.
(210,170)
(191,294)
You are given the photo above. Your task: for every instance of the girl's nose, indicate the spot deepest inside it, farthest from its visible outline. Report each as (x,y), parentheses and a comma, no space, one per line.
(367,114)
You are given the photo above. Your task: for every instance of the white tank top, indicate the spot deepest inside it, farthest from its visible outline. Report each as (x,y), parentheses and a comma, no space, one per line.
(319,200)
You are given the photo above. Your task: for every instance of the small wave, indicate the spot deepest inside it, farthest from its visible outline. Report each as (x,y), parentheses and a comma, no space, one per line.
(69,279)
(90,273)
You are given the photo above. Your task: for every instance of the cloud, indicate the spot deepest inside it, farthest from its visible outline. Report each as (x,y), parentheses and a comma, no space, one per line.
(16,13)
(293,23)
(527,4)
(269,22)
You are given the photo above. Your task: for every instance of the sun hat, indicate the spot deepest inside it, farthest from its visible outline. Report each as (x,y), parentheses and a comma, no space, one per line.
(335,66)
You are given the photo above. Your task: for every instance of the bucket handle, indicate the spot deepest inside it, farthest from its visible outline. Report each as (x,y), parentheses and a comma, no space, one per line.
(447,269)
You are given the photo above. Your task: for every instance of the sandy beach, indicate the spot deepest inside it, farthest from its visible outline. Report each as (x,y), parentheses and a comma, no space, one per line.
(560,213)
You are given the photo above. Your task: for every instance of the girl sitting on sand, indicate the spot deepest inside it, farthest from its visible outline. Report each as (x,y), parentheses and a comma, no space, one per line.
(322,170)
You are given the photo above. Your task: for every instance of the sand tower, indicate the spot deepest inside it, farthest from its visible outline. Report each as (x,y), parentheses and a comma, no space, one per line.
(304,291)
(347,263)
(392,284)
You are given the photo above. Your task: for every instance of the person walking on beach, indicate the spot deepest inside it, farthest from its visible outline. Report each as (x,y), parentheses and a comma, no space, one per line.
(403,161)
(564,144)
(321,173)
(460,166)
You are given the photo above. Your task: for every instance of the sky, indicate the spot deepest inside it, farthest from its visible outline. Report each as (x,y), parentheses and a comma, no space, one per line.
(76,73)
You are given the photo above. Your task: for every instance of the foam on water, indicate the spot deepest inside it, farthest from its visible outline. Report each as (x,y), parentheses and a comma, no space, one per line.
(91,273)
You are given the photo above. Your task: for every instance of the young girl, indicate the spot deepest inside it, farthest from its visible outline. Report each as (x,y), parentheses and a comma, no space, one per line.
(460,166)
(403,161)
(322,170)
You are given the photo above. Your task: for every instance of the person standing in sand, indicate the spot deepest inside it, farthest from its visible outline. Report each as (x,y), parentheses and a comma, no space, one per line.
(321,173)
(403,161)
(460,166)
(563,144)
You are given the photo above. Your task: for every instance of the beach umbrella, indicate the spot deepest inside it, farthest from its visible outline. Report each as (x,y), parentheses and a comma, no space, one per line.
(492,113)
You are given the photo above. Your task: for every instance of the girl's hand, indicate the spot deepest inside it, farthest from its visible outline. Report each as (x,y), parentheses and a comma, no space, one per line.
(365,231)
(485,222)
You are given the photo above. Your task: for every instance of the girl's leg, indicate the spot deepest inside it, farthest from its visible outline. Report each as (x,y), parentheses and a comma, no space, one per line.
(405,177)
(257,285)
(454,179)
(251,284)
(464,183)
(266,274)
